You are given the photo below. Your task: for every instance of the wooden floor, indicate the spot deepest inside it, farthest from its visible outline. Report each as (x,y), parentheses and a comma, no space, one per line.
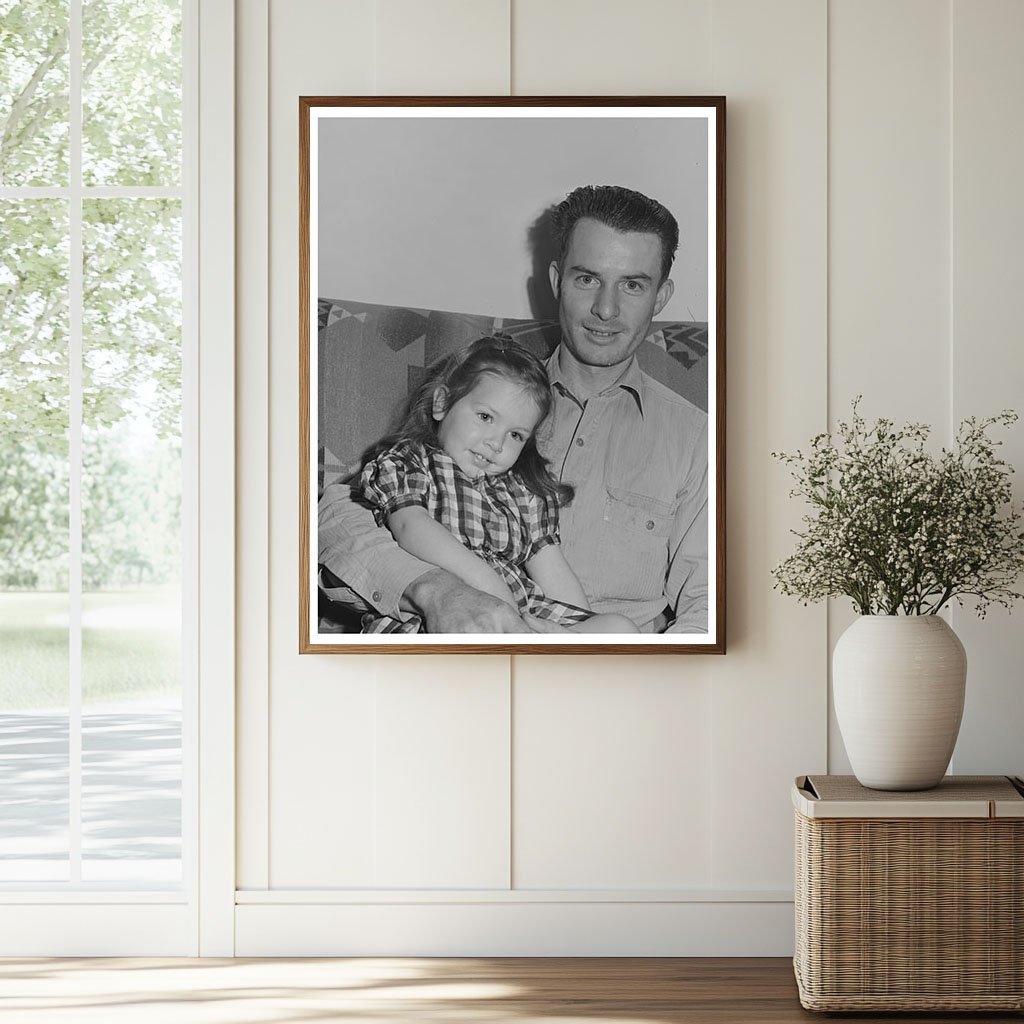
(382,991)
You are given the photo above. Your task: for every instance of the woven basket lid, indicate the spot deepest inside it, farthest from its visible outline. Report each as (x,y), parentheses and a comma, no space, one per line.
(957,796)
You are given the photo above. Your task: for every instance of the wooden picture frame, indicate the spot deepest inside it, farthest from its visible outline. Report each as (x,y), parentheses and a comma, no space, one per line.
(425,222)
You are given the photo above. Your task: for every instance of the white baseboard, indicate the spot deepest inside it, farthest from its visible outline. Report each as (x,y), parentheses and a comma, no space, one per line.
(521,928)
(97,929)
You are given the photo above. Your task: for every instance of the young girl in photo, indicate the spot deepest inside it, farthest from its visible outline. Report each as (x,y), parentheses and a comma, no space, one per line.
(462,485)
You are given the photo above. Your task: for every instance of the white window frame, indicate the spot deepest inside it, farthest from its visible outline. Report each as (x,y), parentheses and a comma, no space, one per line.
(216,393)
(198,918)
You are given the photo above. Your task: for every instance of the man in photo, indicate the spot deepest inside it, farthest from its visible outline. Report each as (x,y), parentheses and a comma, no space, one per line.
(635,534)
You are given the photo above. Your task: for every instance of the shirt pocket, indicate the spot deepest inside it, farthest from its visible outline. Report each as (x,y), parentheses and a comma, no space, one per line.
(634,543)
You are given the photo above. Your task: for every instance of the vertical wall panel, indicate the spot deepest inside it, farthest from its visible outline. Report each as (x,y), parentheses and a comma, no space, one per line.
(889,209)
(987,360)
(442,771)
(611,784)
(393,772)
(323,775)
(326,827)
(442,48)
(769,692)
(605,48)
(320,709)
(888,224)
(611,755)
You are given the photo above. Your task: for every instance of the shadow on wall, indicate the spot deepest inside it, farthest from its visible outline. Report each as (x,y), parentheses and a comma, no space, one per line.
(543,249)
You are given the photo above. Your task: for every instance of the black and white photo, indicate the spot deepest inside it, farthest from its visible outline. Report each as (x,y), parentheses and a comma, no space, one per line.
(512,375)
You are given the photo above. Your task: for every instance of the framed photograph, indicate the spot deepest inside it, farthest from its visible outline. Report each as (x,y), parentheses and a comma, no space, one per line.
(512,374)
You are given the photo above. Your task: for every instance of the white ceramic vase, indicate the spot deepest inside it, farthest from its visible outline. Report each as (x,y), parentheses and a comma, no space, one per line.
(898,683)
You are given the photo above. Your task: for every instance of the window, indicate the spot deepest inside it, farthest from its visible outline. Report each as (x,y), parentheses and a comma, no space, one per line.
(95,463)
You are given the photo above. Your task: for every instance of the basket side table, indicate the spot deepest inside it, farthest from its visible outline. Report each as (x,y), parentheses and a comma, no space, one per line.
(909,901)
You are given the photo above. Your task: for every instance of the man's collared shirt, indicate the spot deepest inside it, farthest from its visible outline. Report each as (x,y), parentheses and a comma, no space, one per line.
(636,531)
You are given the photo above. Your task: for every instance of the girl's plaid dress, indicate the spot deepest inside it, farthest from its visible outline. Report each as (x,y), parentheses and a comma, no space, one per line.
(496,517)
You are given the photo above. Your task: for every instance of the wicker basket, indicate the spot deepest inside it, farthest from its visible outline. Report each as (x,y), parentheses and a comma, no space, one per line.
(910,901)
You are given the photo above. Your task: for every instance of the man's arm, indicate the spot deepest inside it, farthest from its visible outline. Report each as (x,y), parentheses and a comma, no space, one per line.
(375,570)
(378,574)
(448,605)
(687,589)
(686,585)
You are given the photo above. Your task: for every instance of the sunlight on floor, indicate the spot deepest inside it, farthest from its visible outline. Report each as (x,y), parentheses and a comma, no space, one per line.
(146,991)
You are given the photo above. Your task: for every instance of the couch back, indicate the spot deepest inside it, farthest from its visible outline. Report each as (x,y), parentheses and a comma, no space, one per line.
(371,357)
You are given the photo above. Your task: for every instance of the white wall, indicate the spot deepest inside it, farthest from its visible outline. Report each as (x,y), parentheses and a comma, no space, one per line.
(543,805)
(436,212)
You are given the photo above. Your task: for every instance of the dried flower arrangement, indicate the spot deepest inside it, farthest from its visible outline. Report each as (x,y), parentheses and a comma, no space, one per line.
(900,530)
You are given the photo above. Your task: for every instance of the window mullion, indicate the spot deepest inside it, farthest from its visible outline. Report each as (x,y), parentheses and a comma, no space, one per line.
(95,191)
(75,337)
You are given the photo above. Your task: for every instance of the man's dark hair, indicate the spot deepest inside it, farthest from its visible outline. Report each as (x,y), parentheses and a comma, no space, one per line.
(621,209)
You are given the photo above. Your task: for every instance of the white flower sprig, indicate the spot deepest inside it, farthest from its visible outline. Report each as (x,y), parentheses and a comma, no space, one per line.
(899,530)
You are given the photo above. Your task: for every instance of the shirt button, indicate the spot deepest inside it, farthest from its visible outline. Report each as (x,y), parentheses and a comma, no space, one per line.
(579,442)
(376,595)
(650,524)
